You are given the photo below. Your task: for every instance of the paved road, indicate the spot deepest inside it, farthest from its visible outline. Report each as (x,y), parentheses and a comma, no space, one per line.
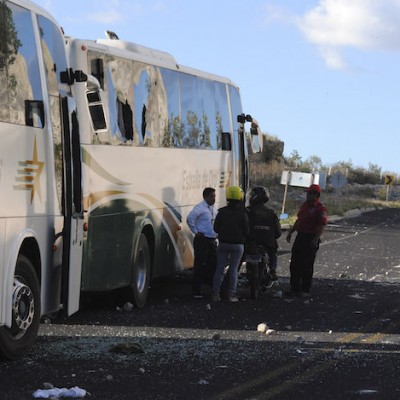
(343,343)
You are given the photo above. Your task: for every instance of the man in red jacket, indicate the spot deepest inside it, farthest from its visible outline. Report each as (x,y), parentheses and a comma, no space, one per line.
(310,224)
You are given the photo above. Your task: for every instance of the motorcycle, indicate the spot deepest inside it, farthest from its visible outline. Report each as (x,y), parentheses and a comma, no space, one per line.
(257,272)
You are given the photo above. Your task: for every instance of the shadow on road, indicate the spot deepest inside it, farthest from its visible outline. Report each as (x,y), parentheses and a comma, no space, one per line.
(336,305)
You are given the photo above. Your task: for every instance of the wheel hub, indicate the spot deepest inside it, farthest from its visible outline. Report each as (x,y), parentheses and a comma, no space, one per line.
(23,305)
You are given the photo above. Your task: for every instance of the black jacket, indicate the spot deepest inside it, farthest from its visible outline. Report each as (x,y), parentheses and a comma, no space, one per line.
(232,224)
(265,227)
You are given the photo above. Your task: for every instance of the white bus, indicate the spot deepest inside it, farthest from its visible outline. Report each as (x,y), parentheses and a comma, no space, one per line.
(41,214)
(154,134)
(98,171)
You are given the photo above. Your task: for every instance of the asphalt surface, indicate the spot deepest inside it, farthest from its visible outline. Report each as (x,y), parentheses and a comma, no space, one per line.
(342,343)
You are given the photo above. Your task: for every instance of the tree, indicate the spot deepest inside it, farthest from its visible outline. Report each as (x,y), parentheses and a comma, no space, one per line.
(375,169)
(342,166)
(294,160)
(9,44)
(314,163)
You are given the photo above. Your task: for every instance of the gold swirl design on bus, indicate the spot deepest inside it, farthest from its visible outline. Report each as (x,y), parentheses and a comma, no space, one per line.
(173,226)
(30,174)
(98,169)
(95,197)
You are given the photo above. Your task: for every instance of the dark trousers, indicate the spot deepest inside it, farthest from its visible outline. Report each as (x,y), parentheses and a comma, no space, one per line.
(205,262)
(302,262)
(273,259)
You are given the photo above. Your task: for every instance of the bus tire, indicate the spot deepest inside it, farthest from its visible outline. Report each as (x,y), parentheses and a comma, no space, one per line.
(141,272)
(16,341)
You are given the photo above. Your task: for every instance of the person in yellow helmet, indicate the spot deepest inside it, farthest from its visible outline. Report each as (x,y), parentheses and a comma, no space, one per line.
(232,227)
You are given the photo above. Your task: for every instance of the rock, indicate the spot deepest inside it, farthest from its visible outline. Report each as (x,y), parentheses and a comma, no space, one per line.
(128,306)
(48,385)
(216,336)
(262,327)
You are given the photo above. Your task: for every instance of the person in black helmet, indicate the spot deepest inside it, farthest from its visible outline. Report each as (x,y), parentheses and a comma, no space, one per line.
(265,227)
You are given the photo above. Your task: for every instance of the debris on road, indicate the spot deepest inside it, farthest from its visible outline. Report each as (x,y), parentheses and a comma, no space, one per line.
(262,327)
(76,392)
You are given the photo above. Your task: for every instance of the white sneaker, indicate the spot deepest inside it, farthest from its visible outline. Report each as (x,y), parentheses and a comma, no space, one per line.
(233,299)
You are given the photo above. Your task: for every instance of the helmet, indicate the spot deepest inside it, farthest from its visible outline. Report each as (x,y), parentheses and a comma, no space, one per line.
(259,194)
(234,193)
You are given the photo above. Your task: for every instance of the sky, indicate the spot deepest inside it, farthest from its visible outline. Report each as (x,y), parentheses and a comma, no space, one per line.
(323,76)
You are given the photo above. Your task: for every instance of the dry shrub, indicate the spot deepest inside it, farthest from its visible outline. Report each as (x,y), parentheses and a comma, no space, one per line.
(337,201)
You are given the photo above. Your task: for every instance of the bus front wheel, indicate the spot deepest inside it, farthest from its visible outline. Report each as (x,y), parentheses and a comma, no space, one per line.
(141,272)
(17,340)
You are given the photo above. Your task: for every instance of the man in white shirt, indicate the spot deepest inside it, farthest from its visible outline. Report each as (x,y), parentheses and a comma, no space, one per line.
(201,223)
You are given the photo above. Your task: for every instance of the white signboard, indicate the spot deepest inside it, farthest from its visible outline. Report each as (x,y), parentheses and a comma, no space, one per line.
(300,179)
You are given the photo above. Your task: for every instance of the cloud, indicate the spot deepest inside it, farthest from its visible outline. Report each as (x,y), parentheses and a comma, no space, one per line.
(368,25)
(332,57)
(273,13)
(115,11)
(107,17)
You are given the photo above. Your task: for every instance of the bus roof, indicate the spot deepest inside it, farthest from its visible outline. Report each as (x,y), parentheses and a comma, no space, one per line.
(30,5)
(134,51)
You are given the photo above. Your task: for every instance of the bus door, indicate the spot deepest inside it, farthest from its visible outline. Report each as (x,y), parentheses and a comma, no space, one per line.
(241,139)
(240,147)
(73,208)
(64,128)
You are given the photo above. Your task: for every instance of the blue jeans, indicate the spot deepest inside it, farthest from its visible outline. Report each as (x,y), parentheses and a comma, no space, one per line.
(228,254)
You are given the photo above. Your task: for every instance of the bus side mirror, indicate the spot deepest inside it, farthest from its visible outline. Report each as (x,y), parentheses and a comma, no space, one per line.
(256,137)
(94,96)
(69,76)
(92,83)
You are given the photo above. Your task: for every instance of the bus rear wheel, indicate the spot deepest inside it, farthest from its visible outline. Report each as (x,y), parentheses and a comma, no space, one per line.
(17,340)
(141,272)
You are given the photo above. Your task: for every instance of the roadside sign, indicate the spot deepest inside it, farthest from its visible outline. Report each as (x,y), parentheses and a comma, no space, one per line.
(338,180)
(389,180)
(300,179)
